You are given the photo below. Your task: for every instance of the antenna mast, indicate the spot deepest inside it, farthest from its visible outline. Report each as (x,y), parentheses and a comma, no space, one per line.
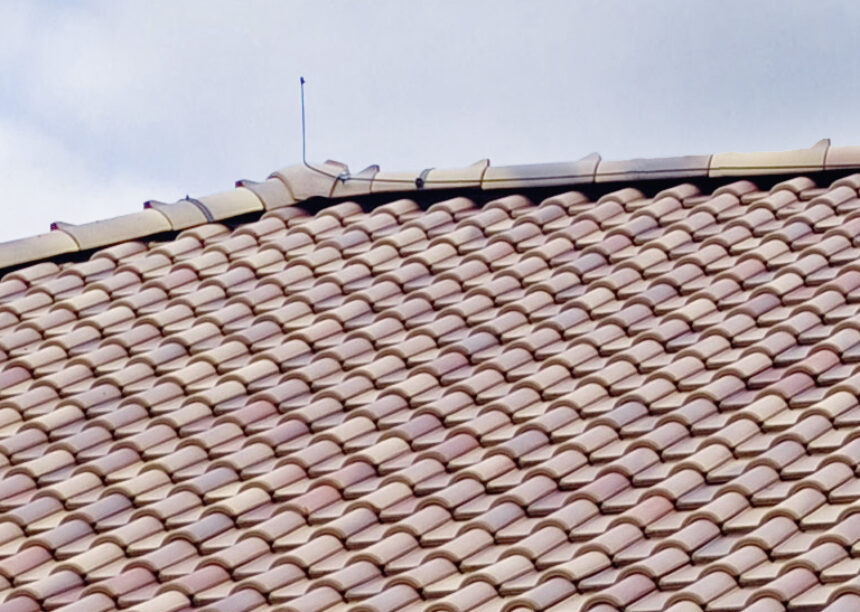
(304,129)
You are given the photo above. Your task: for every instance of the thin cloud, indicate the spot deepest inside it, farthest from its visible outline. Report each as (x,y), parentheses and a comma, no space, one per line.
(44,180)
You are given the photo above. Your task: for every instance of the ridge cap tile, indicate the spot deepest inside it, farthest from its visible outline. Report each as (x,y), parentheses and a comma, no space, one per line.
(300,182)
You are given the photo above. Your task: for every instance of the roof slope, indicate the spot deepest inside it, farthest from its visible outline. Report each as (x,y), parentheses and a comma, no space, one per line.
(643,402)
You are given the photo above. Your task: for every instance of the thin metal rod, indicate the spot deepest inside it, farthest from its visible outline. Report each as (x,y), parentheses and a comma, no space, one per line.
(343,177)
(304,129)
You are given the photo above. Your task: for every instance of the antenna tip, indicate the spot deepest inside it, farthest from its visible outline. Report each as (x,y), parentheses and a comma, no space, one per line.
(302,80)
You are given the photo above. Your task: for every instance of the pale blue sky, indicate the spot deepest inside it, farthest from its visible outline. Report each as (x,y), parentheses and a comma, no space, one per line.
(105,105)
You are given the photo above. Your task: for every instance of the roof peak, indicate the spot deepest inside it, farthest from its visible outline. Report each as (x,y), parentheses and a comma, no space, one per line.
(331,179)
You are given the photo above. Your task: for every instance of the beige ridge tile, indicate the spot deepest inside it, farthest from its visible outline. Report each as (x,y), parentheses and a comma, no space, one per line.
(117,229)
(541,175)
(739,164)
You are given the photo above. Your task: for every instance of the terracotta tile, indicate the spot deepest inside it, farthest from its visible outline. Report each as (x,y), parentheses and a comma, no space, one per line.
(396,597)
(243,600)
(843,602)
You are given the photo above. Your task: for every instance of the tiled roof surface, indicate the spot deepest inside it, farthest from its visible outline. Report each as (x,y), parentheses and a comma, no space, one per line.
(643,402)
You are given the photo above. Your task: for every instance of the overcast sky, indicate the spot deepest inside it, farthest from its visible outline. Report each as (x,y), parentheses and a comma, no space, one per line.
(105,105)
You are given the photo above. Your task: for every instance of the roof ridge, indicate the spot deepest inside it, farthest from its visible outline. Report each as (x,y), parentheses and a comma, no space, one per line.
(300,182)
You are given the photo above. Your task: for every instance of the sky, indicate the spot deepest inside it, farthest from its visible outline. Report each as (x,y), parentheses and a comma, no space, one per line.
(104,105)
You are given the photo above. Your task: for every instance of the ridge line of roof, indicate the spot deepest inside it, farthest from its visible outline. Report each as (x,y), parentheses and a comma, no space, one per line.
(297,183)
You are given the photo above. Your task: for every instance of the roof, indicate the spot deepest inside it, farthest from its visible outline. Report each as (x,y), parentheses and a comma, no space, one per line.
(515,392)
